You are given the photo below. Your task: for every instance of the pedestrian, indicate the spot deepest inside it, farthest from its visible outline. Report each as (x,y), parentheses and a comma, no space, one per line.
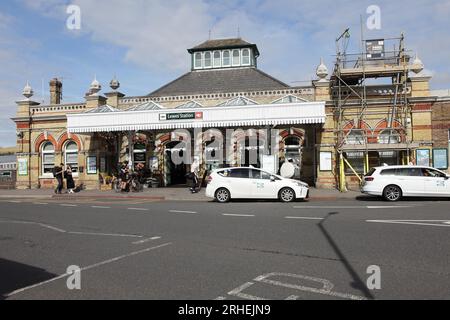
(70,183)
(194,176)
(58,174)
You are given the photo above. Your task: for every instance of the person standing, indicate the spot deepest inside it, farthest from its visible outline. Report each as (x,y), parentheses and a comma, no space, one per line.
(70,183)
(58,174)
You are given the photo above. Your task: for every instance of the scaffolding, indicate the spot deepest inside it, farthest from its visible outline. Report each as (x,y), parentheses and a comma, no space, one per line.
(355,99)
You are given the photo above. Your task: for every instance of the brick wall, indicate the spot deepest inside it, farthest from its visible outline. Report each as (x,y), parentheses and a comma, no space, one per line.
(441,124)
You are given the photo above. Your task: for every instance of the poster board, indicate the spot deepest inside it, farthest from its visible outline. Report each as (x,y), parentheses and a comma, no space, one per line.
(268,163)
(326,161)
(440,158)
(91,164)
(423,157)
(22,166)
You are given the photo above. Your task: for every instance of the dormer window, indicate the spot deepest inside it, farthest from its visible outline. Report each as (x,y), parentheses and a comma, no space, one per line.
(208,60)
(246,57)
(226,58)
(224,53)
(217,59)
(236,58)
(198,60)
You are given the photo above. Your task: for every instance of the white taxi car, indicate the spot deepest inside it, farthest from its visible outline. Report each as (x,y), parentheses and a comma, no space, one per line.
(395,182)
(252,183)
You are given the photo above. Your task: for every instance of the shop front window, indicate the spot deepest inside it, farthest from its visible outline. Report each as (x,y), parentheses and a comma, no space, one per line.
(48,158)
(356,160)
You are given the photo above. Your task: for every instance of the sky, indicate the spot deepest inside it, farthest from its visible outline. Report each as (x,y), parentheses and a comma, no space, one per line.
(144,42)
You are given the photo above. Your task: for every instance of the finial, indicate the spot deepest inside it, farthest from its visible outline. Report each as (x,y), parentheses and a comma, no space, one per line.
(28,91)
(322,70)
(114,84)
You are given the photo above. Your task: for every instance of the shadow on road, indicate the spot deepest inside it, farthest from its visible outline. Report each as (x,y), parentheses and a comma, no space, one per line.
(357,283)
(14,276)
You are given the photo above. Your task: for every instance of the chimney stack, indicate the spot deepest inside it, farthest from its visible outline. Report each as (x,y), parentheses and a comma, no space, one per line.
(55,91)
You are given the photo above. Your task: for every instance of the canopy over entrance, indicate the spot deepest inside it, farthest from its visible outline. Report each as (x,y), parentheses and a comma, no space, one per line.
(233,116)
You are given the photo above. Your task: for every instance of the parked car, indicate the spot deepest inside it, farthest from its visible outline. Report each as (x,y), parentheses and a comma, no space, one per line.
(252,183)
(395,182)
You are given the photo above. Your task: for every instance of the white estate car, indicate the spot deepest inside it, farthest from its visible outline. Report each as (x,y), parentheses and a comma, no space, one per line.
(395,182)
(252,183)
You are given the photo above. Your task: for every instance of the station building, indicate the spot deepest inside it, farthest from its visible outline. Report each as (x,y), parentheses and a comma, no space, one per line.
(225,90)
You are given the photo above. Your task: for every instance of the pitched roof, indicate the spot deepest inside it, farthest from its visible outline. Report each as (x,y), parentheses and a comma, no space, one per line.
(220,81)
(222,44)
(103,109)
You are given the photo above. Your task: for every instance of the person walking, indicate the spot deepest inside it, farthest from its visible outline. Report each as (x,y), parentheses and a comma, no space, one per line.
(58,174)
(194,176)
(70,183)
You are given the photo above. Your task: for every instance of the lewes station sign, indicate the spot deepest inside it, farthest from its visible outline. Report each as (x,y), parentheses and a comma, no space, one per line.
(180,116)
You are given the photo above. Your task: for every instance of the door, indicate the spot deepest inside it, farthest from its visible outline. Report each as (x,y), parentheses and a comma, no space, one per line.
(410,180)
(262,186)
(239,183)
(436,183)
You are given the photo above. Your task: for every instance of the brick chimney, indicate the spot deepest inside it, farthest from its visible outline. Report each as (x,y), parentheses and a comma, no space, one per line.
(55,91)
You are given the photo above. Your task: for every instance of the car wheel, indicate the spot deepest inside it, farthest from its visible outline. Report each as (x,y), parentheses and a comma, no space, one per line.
(286,195)
(222,195)
(392,193)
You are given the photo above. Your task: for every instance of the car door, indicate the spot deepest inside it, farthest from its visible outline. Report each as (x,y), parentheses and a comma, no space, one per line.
(240,183)
(410,181)
(262,185)
(436,182)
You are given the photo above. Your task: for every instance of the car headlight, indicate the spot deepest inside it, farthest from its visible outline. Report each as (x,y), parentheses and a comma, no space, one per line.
(299,184)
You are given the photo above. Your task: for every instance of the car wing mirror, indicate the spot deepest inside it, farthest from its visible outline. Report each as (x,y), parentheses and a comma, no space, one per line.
(272,178)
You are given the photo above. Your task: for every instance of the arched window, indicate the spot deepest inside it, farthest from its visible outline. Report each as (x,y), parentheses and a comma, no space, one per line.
(226,58)
(217,59)
(246,57)
(207,59)
(48,158)
(236,57)
(355,137)
(389,136)
(71,155)
(198,60)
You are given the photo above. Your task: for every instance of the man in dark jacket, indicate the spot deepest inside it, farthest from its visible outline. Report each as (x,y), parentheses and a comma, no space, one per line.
(58,174)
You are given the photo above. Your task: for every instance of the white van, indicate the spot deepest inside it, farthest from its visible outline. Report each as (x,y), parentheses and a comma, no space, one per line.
(395,182)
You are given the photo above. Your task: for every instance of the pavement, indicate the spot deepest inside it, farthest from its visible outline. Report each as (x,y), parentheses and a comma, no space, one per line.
(130,248)
(157,194)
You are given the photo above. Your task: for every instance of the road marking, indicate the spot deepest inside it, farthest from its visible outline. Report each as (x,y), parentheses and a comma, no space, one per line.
(43,225)
(351,207)
(325,287)
(304,218)
(100,207)
(68,205)
(237,215)
(388,207)
(179,211)
(105,234)
(146,240)
(87,268)
(138,209)
(15,201)
(439,223)
(40,203)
